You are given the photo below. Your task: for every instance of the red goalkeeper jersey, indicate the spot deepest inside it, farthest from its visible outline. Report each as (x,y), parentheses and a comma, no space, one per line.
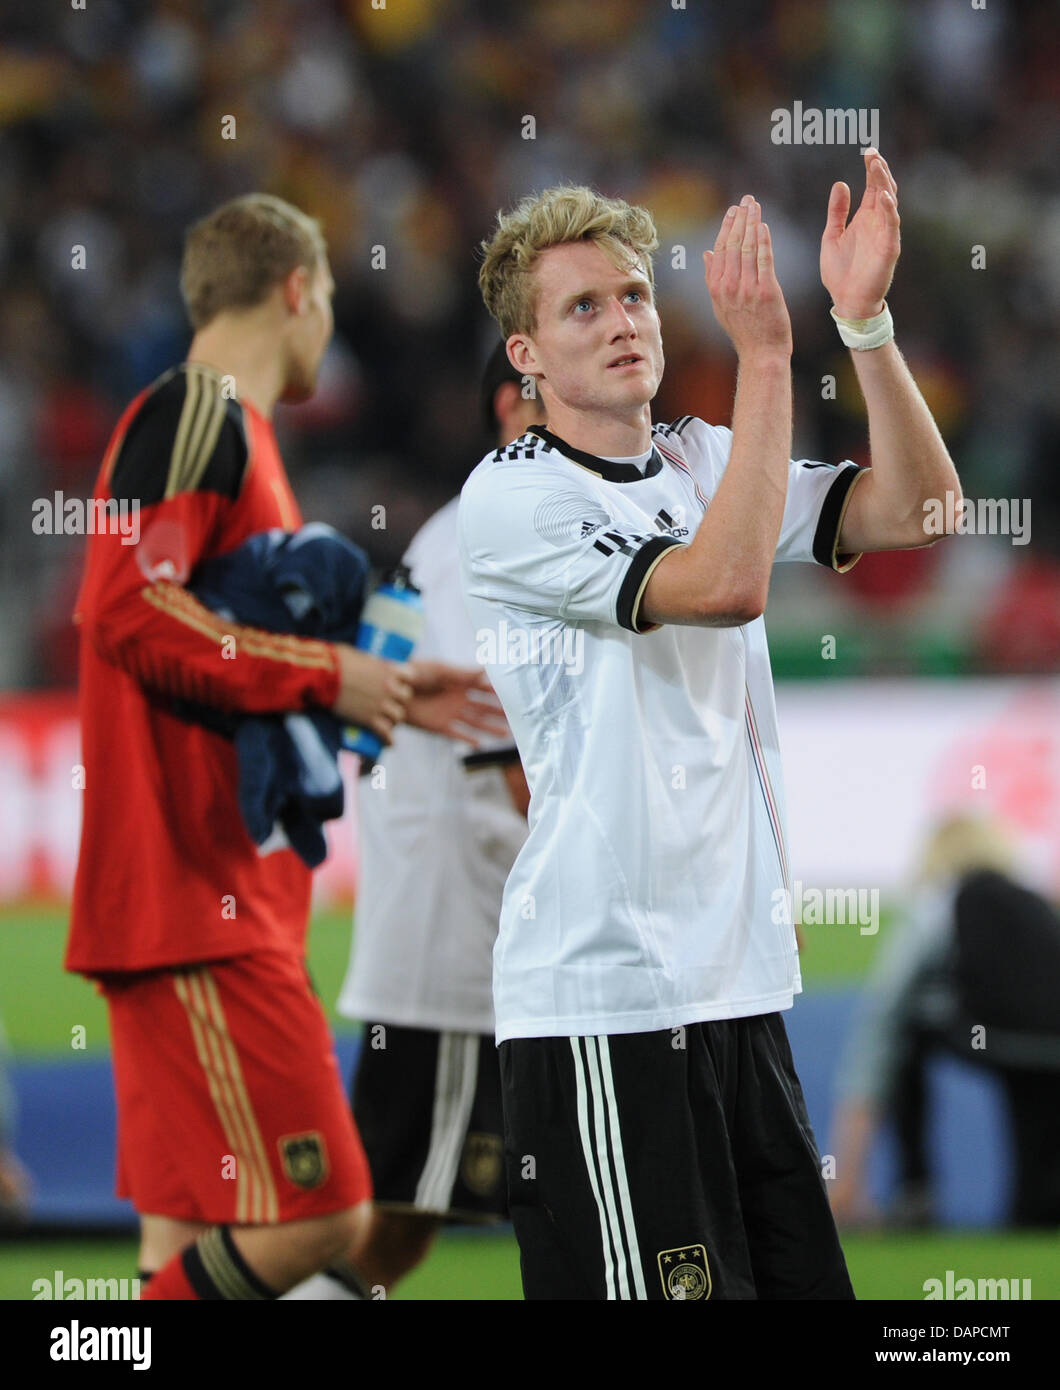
(167,873)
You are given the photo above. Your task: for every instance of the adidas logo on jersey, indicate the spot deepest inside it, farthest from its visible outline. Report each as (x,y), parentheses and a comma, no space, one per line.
(665,522)
(588,527)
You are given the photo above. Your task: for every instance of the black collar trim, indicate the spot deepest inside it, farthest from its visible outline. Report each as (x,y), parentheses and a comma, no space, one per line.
(603,468)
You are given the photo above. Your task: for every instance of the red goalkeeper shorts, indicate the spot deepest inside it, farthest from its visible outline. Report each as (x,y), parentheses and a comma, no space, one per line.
(231,1108)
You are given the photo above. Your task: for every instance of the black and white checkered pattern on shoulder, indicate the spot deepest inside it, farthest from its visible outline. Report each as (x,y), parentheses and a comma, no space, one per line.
(674,428)
(527,446)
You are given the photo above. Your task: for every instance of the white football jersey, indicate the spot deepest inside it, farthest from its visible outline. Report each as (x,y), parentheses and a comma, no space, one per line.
(437,842)
(650,891)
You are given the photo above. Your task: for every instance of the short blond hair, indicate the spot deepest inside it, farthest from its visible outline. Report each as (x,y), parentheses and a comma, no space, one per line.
(237,253)
(963,842)
(559,215)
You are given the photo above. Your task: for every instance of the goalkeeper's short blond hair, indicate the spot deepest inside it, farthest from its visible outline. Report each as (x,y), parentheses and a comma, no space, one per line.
(626,234)
(236,254)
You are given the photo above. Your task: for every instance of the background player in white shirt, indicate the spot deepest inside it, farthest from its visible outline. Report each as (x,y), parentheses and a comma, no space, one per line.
(437,840)
(656,1137)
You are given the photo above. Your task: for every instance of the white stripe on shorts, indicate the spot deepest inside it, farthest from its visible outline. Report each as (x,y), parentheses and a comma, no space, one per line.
(456,1077)
(602,1146)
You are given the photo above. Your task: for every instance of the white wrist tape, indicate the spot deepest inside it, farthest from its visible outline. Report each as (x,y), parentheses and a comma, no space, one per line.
(864,334)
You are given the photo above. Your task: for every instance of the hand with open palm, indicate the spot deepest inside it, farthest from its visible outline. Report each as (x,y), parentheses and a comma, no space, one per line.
(858,260)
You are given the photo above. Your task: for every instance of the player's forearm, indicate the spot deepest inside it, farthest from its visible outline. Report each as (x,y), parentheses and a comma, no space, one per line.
(754,487)
(172,644)
(721,579)
(911,465)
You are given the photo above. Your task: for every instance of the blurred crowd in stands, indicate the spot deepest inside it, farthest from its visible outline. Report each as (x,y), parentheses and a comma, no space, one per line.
(405,127)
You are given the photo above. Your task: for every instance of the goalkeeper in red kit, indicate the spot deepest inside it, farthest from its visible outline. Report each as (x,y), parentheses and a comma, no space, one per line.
(235,1142)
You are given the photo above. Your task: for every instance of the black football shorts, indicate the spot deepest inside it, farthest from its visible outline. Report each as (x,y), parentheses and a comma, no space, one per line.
(428,1108)
(676,1165)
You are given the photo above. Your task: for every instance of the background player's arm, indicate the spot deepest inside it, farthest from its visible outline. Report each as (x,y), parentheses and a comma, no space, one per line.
(137,613)
(163,637)
(721,579)
(910,462)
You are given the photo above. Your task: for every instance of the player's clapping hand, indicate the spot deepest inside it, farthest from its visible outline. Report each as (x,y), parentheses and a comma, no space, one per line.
(747,298)
(454,701)
(857,261)
(373,693)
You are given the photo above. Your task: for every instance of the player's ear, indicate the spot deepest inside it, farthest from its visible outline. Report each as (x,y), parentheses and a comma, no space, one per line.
(522,354)
(506,399)
(296,290)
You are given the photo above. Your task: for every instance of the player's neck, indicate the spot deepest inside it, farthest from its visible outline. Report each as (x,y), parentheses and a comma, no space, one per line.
(248,355)
(605,436)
